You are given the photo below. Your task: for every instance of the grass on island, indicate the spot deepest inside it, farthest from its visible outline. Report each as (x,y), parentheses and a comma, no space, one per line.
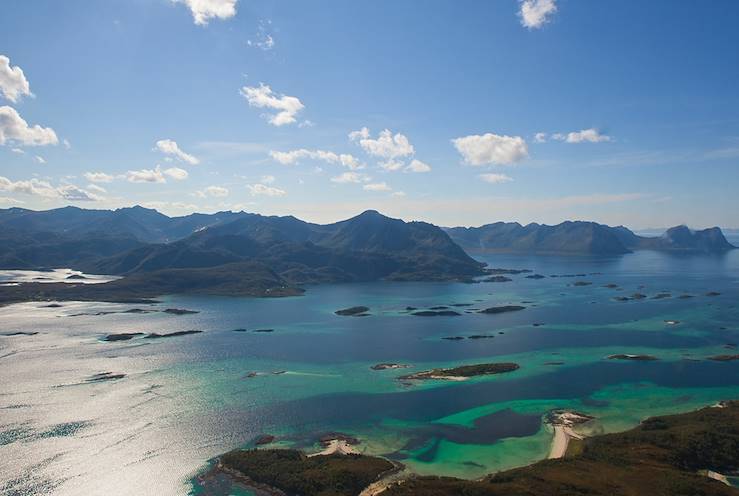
(293,472)
(464,371)
(661,457)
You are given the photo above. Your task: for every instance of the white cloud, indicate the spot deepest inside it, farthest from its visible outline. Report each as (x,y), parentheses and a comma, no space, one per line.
(264,190)
(392,165)
(17,150)
(535,13)
(262,97)
(205,10)
(39,159)
(9,201)
(267,179)
(13,129)
(491,149)
(67,144)
(146,176)
(387,145)
(350,177)
(418,166)
(495,178)
(591,135)
(70,192)
(44,189)
(99,177)
(540,137)
(377,187)
(96,188)
(363,133)
(169,147)
(213,192)
(13,83)
(306,123)
(399,194)
(176,173)
(294,156)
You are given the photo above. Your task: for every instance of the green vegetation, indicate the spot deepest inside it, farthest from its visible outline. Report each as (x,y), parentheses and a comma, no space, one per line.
(464,371)
(295,473)
(661,457)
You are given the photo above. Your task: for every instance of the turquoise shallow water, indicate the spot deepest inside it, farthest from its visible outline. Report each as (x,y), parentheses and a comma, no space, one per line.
(185,400)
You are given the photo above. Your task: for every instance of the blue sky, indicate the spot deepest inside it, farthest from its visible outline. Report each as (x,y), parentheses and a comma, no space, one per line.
(623,112)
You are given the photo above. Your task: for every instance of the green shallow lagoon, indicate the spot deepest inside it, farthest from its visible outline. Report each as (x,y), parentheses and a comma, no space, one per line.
(183,401)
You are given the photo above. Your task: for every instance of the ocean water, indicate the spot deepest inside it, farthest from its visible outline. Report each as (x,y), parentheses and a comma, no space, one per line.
(174,404)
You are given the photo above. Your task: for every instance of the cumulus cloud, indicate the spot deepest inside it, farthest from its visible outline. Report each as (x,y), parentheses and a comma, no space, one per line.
(45,189)
(377,187)
(540,137)
(491,149)
(495,178)
(387,145)
(350,177)
(418,166)
(205,10)
(13,129)
(13,83)
(99,177)
(170,148)
(294,156)
(262,97)
(176,173)
(535,13)
(591,135)
(213,192)
(264,190)
(146,176)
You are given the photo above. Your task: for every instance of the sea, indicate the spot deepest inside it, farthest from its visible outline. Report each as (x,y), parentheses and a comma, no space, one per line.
(80,415)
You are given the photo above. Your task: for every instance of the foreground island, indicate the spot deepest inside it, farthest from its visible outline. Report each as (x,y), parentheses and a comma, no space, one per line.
(664,456)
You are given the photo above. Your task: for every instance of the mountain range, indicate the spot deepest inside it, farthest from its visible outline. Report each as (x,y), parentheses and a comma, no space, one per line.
(583,238)
(245,253)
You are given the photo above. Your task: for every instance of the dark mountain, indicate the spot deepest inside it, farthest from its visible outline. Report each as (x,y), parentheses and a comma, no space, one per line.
(142,224)
(564,238)
(369,246)
(583,238)
(681,238)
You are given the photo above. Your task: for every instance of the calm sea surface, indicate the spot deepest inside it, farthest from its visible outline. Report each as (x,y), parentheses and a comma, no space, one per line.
(182,401)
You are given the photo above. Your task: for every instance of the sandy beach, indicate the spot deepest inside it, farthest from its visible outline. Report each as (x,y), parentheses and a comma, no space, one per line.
(337,446)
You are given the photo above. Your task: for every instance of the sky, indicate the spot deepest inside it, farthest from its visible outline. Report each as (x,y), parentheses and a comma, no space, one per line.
(453,112)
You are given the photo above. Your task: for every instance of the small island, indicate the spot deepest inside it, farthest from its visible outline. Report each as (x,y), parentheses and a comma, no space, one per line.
(502,309)
(353,311)
(389,366)
(436,313)
(462,372)
(638,358)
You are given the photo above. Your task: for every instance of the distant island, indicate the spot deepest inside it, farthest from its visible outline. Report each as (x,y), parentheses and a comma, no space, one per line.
(583,238)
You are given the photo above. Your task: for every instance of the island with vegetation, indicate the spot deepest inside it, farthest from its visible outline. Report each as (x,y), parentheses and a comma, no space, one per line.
(462,372)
